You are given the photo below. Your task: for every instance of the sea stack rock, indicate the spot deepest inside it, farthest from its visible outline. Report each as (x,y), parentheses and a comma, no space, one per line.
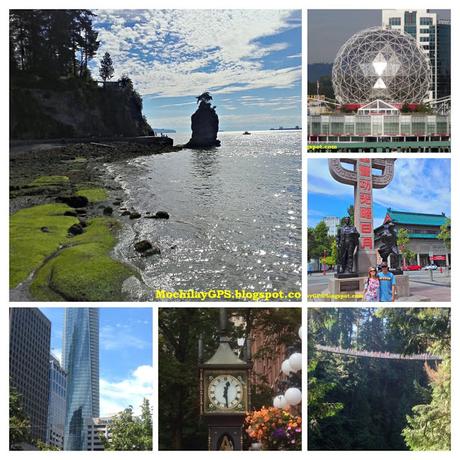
(205,124)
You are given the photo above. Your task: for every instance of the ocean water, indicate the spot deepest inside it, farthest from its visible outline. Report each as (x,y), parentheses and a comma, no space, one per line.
(235,214)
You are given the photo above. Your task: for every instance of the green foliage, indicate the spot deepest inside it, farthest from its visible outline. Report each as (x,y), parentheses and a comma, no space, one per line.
(444,233)
(19,422)
(43,446)
(94,195)
(428,428)
(130,432)
(319,242)
(52,43)
(403,244)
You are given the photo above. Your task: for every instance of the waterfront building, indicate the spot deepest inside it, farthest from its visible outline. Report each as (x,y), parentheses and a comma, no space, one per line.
(381,132)
(98,426)
(423,230)
(57,404)
(30,334)
(81,363)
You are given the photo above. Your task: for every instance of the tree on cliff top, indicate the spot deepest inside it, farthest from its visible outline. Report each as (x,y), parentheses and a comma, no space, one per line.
(106,70)
(204,97)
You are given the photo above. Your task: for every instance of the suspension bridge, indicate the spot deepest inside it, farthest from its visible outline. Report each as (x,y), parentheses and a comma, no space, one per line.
(377,354)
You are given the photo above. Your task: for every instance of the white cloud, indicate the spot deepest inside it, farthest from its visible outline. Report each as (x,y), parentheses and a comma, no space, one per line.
(120,337)
(419,185)
(116,396)
(184,52)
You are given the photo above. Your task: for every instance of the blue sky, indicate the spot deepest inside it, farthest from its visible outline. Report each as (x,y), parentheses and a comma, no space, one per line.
(248,59)
(125,354)
(419,185)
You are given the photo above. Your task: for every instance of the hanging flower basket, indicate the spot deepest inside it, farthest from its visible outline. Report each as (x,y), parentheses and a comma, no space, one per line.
(274,429)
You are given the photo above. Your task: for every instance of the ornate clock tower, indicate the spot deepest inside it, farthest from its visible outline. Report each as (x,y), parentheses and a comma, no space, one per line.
(224,394)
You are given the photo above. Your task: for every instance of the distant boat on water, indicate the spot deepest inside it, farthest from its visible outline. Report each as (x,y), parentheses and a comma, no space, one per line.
(246,133)
(286,129)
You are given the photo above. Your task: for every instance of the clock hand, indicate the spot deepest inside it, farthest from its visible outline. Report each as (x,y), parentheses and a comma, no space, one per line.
(226,393)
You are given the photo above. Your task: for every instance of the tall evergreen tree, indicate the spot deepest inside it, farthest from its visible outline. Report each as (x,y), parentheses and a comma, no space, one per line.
(106,70)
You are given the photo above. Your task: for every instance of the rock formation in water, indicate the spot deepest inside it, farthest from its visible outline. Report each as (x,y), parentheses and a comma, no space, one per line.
(205,124)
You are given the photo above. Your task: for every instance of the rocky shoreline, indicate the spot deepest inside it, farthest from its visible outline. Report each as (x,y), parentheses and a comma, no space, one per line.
(65,213)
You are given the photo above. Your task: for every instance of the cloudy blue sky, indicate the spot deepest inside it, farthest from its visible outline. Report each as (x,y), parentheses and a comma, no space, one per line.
(419,185)
(328,30)
(125,354)
(250,61)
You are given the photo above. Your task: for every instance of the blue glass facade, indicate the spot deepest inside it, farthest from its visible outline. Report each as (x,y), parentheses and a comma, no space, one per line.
(81,363)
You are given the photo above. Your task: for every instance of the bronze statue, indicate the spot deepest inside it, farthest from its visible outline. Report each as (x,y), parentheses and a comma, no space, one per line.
(347,247)
(389,246)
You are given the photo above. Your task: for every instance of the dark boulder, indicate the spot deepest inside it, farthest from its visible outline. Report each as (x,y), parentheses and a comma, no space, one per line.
(134,215)
(74,201)
(70,214)
(161,215)
(108,211)
(75,229)
(146,249)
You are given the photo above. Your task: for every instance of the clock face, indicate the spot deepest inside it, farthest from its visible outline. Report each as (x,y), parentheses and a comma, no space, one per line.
(225,392)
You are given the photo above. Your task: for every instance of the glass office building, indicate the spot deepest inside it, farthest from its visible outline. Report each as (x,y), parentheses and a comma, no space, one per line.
(57,401)
(30,336)
(81,363)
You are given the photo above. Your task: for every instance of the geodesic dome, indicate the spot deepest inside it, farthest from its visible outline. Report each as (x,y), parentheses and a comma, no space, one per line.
(384,64)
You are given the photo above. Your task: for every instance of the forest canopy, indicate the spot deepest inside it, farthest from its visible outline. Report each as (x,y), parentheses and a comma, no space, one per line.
(361,403)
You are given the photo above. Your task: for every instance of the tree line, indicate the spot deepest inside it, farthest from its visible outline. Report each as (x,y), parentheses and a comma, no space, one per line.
(52,43)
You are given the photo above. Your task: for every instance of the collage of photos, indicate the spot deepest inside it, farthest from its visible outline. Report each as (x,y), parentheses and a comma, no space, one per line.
(180,213)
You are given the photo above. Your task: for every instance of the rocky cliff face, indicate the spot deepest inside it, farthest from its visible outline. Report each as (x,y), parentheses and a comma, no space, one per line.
(80,112)
(205,125)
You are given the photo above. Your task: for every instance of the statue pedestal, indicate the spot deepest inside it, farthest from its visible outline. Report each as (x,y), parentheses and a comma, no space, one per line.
(350,286)
(402,286)
(346,286)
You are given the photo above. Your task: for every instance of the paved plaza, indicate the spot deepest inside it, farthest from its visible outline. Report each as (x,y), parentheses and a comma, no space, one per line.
(420,284)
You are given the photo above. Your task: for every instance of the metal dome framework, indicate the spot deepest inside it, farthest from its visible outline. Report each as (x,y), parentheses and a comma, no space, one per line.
(379,63)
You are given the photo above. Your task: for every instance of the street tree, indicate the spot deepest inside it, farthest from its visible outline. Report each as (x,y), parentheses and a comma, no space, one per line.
(130,432)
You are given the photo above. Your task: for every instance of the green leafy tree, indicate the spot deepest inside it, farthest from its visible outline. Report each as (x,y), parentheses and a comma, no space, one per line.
(444,233)
(319,241)
(106,69)
(43,446)
(428,428)
(403,244)
(19,422)
(130,432)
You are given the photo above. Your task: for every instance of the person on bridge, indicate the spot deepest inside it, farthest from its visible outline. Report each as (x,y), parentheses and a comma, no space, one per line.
(387,284)
(371,286)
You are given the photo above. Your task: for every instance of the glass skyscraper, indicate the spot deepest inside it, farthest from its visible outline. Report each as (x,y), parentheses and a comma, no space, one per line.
(81,363)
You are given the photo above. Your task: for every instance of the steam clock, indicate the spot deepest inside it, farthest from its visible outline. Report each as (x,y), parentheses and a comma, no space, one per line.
(224,393)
